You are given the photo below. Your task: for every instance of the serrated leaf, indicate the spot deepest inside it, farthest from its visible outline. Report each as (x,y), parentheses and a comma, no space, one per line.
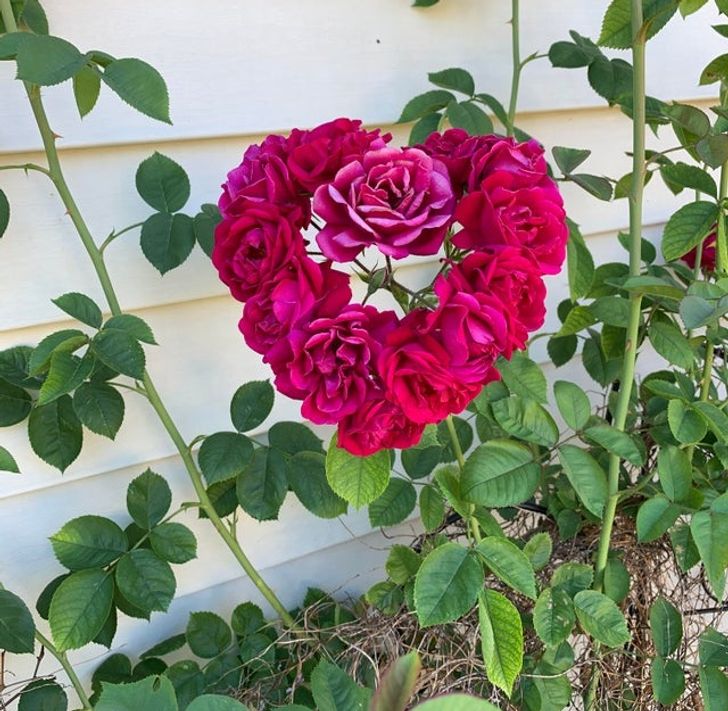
(153,692)
(687,227)
(675,472)
(4,213)
(714,688)
(88,542)
(709,530)
(139,85)
(553,616)
(666,627)
(119,351)
(686,425)
(454,78)
(15,404)
(601,618)
(615,442)
(86,88)
(525,419)
(148,499)
(55,432)
(396,502)
(424,104)
(251,404)
(358,480)
(398,684)
(684,175)
(523,377)
(579,318)
(167,240)
(145,580)
(573,404)
(17,629)
(224,455)
(508,562)
(47,60)
(668,680)
(7,462)
(586,476)
(569,158)
(162,183)
(501,634)
(333,689)
(307,479)
(207,634)
(262,485)
(65,373)
(469,117)
(432,507)
(100,407)
(617,25)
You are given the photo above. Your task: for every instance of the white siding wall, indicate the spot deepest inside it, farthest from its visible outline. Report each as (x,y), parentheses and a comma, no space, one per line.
(236,71)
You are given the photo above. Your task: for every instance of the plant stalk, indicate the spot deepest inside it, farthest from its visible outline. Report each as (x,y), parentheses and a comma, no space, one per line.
(472,522)
(56,175)
(517,66)
(68,668)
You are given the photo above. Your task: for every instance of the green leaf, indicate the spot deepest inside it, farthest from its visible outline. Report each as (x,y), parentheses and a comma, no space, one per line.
(696,311)
(654,517)
(713,149)
(99,407)
(55,432)
(7,462)
(120,352)
(43,695)
(713,648)
(145,580)
(615,442)
(671,344)
(358,480)
(684,548)
(15,404)
(402,564)
(601,618)
(207,634)
(617,26)
(166,646)
(686,425)
(579,263)
(538,550)
(714,417)
(569,158)
(687,227)
(334,690)
(251,404)
(396,502)
(579,318)
(571,56)
(688,7)
(523,377)
(714,688)
(294,437)
(139,85)
(455,78)
(455,702)
(561,350)
(262,485)
(148,499)
(173,542)
(134,326)
(499,473)
(553,616)
(586,476)
(525,419)
(595,185)
(572,577)
(188,681)
(470,117)
(710,533)
(425,104)
(66,373)
(4,213)
(447,584)
(80,607)
(204,225)
(675,472)
(398,684)
(423,128)
(167,240)
(419,461)
(508,562)
(668,680)
(86,88)
(154,693)
(684,175)
(47,60)
(307,479)
(224,455)
(214,702)
(501,635)
(88,542)
(67,340)
(432,507)
(716,70)
(80,307)
(573,404)
(162,183)
(246,619)
(387,597)
(666,627)
(17,629)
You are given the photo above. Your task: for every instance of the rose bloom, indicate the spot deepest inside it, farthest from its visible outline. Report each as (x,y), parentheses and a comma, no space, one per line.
(497,216)
(263,177)
(251,247)
(421,375)
(377,424)
(332,362)
(301,287)
(317,155)
(399,199)
(708,256)
(514,279)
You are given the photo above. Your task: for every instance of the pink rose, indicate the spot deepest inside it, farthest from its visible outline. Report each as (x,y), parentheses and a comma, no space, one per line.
(497,216)
(377,424)
(251,247)
(301,288)
(708,256)
(263,177)
(455,148)
(333,362)
(513,278)
(419,374)
(321,152)
(400,200)
(508,163)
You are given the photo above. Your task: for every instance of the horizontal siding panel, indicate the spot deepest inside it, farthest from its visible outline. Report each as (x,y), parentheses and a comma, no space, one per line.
(244,67)
(41,249)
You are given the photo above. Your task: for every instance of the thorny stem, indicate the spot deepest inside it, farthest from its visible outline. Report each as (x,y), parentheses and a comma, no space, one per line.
(635,305)
(517,66)
(115,234)
(26,167)
(96,256)
(472,522)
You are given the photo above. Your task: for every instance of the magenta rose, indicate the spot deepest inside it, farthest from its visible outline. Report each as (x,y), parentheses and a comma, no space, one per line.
(419,374)
(251,247)
(263,177)
(400,200)
(507,163)
(514,279)
(320,153)
(333,362)
(377,424)
(300,289)
(532,218)
(708,256)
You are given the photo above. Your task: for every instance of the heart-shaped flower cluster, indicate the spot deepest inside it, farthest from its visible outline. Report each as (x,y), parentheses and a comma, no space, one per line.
(379,377)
